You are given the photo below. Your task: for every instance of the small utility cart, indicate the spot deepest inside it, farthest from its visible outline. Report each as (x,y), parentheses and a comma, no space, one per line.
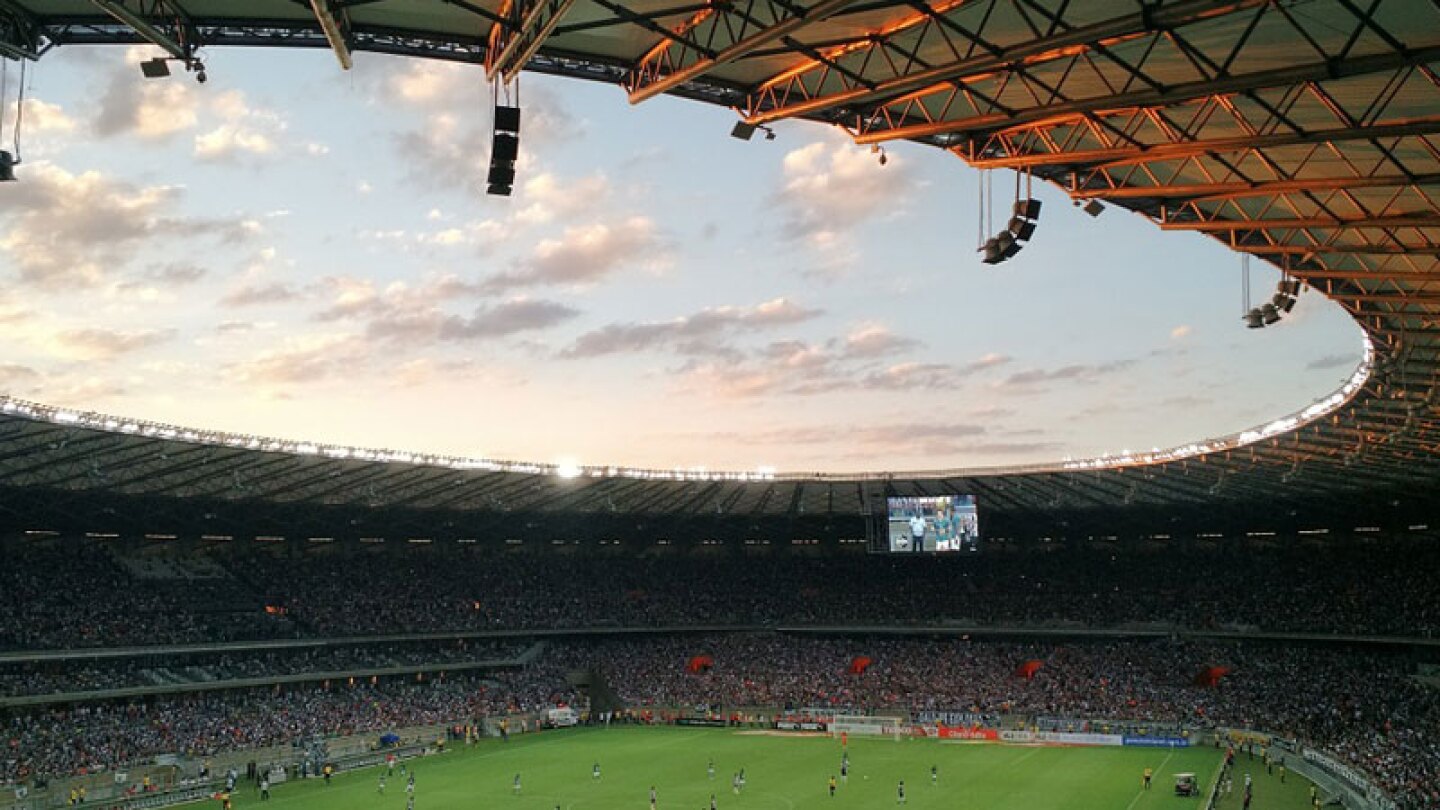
(1185,785)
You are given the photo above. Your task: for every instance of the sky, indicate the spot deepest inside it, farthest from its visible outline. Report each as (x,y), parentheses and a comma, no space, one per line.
(299,252)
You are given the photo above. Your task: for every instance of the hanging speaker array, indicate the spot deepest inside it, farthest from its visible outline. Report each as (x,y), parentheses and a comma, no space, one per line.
(504,151)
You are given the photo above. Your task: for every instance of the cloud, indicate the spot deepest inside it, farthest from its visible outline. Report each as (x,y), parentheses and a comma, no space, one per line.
(798,368)
(148,110)
(69,230)
(1330,361)
(305,359)
(450,150)
(177,273)
(690,334)
(417,314)
(95,343)
(547,197)
(43,117)
(242,130)
(507,318)
(1077,373)
(501,320)
(584,255)
(876,340)
(1184,401)
(258,294)
(830,187)
(12,375)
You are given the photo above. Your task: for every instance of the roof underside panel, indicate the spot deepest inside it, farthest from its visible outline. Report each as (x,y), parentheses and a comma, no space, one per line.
(1304,133)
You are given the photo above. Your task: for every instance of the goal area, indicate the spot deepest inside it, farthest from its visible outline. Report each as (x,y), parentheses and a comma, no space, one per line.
(869,726)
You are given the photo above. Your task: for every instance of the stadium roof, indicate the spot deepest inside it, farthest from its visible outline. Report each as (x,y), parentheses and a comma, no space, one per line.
(1304,133)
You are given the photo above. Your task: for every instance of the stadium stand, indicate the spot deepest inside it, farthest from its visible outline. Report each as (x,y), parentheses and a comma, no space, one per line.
(1368,590)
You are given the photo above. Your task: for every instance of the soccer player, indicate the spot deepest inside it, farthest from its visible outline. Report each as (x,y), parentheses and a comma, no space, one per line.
(410,803)
(832,786)
(654,800)
(380,789)
(595,772)
(900,792)
(1146,778)
(410,784)
(844,772)
(264,788)
(516,786)
(710,770)
(934,774)
(735,784)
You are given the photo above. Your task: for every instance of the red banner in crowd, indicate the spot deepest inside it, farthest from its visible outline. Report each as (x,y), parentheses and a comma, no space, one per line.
(859,664)
(1028,669)
(1210,676)
(699,663)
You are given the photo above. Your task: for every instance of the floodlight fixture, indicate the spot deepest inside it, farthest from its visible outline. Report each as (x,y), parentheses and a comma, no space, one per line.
(1094,208)
(7,167)
(743,131)
(1254,319)
(1022,229)
(1269,314)
(157,68)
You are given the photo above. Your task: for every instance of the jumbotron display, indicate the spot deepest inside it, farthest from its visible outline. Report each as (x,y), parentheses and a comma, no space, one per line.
(945,523)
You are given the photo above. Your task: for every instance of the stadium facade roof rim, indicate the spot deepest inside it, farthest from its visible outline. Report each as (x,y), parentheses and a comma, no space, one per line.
(1303,134)
(264,444)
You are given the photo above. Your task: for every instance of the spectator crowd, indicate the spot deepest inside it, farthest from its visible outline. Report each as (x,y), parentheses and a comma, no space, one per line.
(1363,706)
(1321,589)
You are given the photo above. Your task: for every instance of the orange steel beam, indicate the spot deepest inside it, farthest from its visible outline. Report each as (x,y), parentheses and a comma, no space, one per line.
(1343,250)
(1400,221)
(1216,192)
(1044,49)
(1130,156)
(537,18)
(653,63)
(1175,94)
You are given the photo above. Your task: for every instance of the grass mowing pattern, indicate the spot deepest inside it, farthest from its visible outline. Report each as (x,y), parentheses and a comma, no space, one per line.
(782,773)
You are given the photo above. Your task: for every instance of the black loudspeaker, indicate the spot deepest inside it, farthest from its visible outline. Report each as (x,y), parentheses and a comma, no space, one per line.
(992,252)
(7,167)
(507,119)
(505,147)
(1023,229)
(1029,209)
(501,174)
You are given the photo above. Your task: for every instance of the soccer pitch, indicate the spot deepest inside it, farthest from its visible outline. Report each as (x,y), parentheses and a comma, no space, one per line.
(781,773)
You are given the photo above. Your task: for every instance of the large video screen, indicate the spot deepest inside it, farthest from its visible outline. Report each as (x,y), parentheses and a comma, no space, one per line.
(947,523)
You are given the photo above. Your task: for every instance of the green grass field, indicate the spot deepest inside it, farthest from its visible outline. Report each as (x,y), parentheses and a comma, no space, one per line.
(782,773)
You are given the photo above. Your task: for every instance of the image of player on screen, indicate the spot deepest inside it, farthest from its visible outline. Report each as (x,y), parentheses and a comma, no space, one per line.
(917,531)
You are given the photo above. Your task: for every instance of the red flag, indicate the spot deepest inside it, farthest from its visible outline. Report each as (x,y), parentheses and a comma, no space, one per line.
(1028,669)
(859,664)
(699,663)
(1210,676)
